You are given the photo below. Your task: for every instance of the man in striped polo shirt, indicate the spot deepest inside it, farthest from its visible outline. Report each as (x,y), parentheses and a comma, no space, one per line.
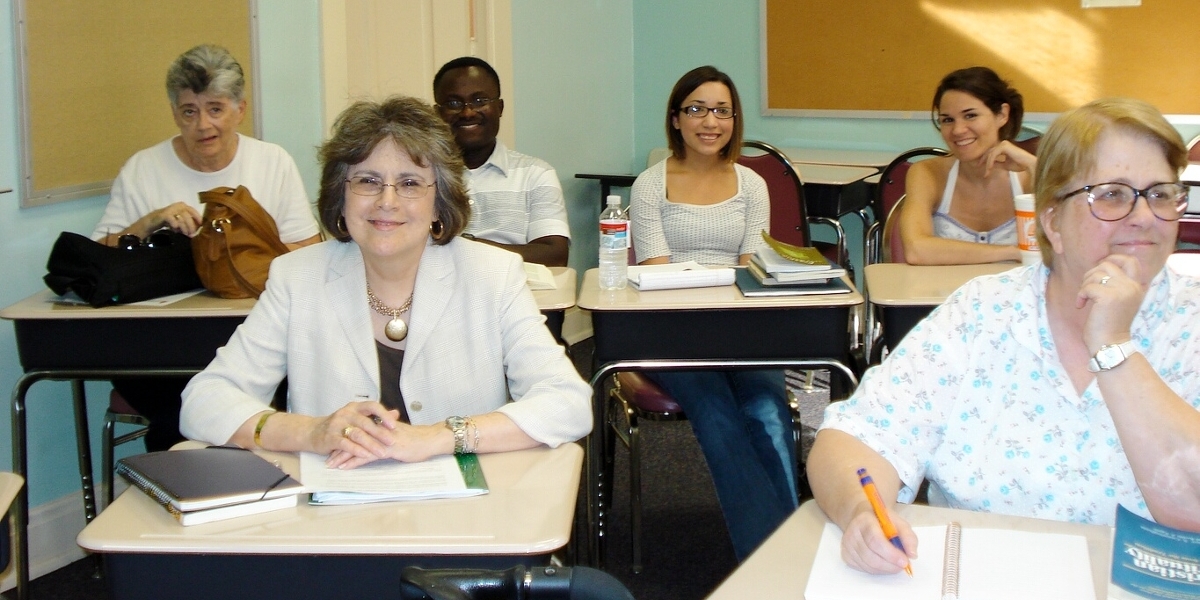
(516,200)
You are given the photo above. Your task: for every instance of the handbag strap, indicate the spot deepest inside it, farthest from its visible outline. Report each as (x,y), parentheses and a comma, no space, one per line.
(243,203)
(242,282)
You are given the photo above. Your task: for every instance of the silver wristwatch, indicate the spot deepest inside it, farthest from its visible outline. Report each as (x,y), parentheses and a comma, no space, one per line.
(458,426)
(1110,356)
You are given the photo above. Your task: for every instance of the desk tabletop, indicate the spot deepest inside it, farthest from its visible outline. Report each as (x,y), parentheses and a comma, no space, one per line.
(46,305)
(845,157)
(528,511)
(10,485)
(562,297)
(900,284)
(779,569)
(832,174)
(591,297)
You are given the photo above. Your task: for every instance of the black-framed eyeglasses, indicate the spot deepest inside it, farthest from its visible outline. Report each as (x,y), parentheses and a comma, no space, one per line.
(1112,201)
(411,187)
(699,111)
(454,107)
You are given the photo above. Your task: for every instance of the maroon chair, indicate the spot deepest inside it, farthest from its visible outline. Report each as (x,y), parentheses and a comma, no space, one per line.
(1189,233)
(883,242)
(119,411)
(1193,147)
(888,193)
(789,216)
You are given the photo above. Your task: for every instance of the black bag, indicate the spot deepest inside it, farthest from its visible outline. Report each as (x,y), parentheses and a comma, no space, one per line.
(104,275)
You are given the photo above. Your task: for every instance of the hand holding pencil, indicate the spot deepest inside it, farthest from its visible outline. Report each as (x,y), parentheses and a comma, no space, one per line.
(864,548)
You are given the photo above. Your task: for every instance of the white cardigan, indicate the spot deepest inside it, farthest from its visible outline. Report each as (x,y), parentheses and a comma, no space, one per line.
(475,339)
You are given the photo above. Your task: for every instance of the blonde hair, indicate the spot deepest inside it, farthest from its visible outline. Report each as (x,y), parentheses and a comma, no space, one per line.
(1069,148)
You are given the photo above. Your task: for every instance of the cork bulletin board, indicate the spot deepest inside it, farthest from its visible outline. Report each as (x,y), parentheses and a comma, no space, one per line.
(884,59)
(92,83)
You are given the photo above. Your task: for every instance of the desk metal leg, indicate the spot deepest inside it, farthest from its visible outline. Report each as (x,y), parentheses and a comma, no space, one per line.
(84,443)
(20,508)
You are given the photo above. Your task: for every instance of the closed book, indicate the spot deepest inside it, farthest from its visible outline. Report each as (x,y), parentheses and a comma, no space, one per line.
(220,481)
(751,288)
(803,259)
(1153,561)
(801,278)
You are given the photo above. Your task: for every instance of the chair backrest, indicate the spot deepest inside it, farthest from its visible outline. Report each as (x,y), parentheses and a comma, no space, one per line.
(893,244)
(789,217)
(1189,231)
(889,192)
(1029,145)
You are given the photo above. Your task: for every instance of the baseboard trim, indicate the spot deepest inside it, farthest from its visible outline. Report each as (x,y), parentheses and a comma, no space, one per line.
(577,325)
(53,527)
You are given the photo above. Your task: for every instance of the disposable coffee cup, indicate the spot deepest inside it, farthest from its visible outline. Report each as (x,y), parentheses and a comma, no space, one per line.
(1027,230)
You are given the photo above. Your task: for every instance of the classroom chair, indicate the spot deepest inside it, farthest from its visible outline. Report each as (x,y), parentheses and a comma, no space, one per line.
(119,411)
(790,220)
(632,398)
(1028,139)
(883,244)
(1193,147)
(1189,233)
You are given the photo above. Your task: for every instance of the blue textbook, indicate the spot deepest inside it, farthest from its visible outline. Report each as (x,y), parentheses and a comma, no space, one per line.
(1154,561)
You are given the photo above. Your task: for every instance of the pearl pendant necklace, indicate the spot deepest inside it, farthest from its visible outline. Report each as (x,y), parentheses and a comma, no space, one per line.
(396,329)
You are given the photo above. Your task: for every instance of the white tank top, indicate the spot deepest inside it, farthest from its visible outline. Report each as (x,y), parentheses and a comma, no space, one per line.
(944,226)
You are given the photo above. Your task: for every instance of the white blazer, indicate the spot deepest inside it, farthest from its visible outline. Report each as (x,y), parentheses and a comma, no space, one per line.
(476,338)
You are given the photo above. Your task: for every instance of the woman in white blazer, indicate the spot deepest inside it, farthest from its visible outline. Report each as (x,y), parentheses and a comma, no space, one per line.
(398,338)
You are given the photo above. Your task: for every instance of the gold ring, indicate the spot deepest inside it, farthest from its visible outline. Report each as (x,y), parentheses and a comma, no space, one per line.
(347,430)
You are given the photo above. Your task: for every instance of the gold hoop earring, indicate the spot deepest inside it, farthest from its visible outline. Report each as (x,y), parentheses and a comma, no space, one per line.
(341,226)
(440,230)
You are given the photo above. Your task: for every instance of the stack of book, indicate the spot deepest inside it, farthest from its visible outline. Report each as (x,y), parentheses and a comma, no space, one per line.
(807,271)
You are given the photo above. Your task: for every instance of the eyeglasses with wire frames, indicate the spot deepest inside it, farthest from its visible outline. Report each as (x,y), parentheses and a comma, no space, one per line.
(1114,201)
(699,111)
(453,107)
(409,187)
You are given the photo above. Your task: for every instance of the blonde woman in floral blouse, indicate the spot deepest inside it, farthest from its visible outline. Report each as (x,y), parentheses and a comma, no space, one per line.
(1054,391)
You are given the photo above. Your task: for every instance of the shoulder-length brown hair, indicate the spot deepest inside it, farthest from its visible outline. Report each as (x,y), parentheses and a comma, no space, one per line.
(417,130)
(685,86)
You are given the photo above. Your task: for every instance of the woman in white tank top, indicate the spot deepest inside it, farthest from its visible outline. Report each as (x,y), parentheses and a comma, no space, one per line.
(959,208)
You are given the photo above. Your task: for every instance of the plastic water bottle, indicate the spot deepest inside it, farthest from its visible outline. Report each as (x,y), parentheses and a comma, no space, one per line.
(614,246)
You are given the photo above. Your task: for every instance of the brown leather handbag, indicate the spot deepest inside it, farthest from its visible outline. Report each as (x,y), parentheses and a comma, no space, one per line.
(236,243)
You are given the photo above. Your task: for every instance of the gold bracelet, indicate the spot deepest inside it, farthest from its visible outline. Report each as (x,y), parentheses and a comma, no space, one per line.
(259,427)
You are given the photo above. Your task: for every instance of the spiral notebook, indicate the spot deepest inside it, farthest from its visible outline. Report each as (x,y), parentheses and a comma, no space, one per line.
(957,563)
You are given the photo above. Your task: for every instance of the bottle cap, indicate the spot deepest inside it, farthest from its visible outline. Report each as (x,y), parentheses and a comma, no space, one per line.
(614,199)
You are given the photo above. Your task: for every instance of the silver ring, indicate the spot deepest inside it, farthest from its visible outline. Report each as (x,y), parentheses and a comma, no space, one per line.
(1104,280)
(348,429)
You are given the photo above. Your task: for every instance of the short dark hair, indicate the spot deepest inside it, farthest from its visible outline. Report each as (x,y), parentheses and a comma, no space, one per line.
(206,68)
(463,62)
(984,84)
(417,130)
(688,84)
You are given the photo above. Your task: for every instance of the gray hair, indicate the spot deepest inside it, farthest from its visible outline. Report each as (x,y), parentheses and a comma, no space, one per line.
(206,68)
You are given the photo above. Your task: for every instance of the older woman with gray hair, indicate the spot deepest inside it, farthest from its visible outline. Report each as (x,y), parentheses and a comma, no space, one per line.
(158,188)
(1054,391)
(400,339)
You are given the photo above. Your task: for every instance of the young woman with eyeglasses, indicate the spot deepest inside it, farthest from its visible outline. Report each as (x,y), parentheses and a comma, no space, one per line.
(959,208)
(700,205)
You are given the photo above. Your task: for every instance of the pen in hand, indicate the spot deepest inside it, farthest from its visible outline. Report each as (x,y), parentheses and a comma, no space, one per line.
(885,523)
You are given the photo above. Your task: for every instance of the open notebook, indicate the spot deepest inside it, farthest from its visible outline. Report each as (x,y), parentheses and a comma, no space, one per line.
(992,564)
